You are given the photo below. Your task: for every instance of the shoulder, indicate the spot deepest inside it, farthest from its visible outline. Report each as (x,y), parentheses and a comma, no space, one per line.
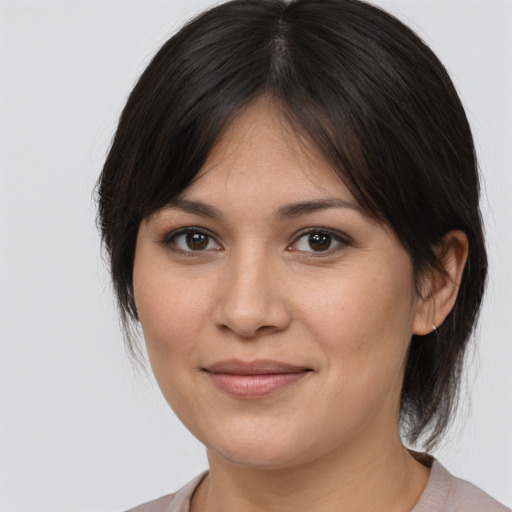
(447,493)
(465,496)
(176,502)
(162,504)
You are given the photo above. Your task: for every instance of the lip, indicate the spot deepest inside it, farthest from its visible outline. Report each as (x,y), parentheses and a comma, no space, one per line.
(254,379)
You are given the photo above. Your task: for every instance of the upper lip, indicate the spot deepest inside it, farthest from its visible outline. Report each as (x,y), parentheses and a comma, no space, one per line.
(258,367)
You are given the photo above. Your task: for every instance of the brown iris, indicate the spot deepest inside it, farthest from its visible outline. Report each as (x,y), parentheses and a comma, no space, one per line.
(319,241)
(197,241)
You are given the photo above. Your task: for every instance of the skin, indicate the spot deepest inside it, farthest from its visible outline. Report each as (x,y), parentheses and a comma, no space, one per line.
(254,287)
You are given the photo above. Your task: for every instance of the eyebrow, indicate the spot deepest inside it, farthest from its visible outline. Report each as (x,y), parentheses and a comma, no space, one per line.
(196,207)
(303,208)
(288,211)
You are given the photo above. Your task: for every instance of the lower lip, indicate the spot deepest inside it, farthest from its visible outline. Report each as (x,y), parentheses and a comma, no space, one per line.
(254,386)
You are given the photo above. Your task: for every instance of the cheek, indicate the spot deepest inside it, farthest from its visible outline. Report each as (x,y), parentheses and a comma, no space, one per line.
(172,306)
(163,311)
(363,321)
(170,313)
(363,327)
(354,304)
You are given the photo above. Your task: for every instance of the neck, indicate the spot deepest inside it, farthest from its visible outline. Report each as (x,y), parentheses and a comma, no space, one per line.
(351,480)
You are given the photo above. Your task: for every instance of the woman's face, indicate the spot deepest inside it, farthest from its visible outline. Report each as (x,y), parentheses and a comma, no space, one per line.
(277,315)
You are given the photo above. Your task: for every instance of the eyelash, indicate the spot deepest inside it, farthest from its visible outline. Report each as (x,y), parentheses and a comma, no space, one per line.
(342,241)
(169,240)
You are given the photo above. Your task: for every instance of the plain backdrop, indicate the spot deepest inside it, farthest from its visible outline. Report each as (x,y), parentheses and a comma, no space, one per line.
(79,429)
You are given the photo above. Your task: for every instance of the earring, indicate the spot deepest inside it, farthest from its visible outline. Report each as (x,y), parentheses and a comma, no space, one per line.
(434,326)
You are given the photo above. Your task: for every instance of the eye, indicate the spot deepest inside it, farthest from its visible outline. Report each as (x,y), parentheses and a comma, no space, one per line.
(319,241)
(191,240)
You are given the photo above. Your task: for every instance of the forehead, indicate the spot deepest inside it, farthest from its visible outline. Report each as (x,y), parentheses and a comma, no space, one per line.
(261,151)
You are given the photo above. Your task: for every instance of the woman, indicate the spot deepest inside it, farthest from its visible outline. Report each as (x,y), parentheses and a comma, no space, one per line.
(290,207)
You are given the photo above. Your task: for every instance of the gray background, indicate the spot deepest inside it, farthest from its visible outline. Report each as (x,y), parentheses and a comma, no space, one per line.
(79,430)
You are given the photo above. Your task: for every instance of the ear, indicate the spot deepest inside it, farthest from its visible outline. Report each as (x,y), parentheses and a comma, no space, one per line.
(440,288)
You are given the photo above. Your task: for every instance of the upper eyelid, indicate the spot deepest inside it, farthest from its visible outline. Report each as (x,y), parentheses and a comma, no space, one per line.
(343,240)
(168,237)
(333,232)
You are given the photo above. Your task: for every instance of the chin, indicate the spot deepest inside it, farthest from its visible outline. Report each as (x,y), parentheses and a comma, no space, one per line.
(260,459)
(264,450)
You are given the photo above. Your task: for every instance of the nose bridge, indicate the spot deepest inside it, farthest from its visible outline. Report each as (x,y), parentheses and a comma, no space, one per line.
(249,297)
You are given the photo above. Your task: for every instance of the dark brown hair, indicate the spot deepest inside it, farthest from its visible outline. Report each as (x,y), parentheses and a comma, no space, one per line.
(366,91)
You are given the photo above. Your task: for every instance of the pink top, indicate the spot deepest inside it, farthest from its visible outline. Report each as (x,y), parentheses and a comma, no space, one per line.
(444,493)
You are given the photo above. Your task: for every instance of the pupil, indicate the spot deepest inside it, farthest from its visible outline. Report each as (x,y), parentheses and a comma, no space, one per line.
(319,241)
(197,241)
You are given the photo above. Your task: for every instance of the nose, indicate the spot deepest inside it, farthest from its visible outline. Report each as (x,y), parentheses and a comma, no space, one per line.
(250,299)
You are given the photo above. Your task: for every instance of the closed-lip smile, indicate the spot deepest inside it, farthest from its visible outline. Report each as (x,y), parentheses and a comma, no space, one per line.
(254,379)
